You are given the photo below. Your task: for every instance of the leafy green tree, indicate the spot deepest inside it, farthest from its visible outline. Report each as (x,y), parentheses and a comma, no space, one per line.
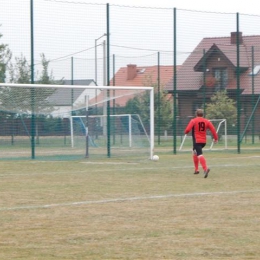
(5,57)
(19,100)
(163,110)
(140,104)
(222,107)
(46,77)
(20,71)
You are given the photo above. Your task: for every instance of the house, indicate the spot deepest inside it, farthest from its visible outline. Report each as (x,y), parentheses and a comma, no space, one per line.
(133,75)
(65,100)
(212,66)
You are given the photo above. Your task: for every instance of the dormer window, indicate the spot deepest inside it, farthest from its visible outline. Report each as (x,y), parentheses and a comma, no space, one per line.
(255,71)
(221,76)
(141,71)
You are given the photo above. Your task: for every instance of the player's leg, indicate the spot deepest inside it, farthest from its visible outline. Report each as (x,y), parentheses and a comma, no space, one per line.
(195,161)
(202,159)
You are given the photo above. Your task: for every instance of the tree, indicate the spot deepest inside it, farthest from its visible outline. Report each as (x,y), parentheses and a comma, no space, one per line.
(5,57)
(45,77)
(222,107)
(163,110)
(19,100)
(20,71)
(141,105)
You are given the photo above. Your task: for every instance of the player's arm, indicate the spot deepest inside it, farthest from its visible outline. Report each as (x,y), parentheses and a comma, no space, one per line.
(189,127)
(213,131)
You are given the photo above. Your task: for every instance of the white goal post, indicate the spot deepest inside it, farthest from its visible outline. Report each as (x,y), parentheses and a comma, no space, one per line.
(219,122)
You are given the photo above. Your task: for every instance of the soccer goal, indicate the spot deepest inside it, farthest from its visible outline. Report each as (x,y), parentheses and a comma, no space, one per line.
(128,130)
(221,129)
(75,121)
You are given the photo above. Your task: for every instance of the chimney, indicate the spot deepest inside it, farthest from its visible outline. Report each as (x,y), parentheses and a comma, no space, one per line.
(234,38)
(131,71)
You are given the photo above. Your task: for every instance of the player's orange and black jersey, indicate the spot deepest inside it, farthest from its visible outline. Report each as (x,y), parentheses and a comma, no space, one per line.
(199,127)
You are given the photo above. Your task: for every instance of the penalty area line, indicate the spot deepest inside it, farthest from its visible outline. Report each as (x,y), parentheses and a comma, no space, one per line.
(89,202)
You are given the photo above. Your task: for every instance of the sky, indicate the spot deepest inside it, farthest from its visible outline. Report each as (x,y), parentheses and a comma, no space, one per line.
(226,6)
(63,30)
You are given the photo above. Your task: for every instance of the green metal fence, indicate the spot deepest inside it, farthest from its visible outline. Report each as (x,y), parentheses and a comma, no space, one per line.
(204,53)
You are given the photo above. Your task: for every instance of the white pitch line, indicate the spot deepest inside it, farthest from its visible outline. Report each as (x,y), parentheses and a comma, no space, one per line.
(120,163)
(88,202)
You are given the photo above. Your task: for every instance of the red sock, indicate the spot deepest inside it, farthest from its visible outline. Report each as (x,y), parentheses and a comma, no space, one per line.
(196,162)
(203,163)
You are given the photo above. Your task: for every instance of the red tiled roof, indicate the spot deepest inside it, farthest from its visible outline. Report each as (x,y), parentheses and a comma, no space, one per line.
(189,79)
(144,76)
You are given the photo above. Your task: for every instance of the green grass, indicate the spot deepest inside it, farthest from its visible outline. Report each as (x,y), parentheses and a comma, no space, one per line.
(131,208)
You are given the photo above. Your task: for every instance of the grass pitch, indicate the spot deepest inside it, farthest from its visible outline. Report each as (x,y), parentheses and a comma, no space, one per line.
(131,209)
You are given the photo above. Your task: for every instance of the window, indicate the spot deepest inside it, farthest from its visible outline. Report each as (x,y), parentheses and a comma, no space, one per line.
(255,71)
(221,76)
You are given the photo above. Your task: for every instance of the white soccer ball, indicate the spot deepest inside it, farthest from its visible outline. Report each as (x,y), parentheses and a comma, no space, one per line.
(155,158)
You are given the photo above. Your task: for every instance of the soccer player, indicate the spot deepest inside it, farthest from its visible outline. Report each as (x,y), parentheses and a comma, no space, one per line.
(199,126)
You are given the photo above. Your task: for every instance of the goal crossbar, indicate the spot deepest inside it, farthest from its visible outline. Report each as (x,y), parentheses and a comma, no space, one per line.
(77,86)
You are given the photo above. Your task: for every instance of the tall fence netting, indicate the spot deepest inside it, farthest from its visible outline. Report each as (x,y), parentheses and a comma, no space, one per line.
(217,59)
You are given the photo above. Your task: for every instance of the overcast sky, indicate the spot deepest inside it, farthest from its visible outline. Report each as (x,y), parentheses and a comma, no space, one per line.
(227,6)
(69,28)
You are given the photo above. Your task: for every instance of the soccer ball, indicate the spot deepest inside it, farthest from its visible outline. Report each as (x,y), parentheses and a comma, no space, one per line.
(155,158)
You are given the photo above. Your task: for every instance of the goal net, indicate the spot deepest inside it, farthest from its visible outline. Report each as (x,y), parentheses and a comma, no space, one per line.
(128,130)
(221,128)
(71,122)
